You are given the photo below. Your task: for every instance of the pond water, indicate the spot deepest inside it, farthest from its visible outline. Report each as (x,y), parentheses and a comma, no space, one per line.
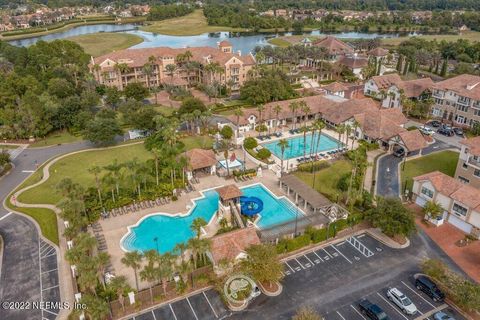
(245,42)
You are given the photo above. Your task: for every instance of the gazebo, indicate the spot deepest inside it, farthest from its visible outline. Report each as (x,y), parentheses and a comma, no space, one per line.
(200,161)
(229,202)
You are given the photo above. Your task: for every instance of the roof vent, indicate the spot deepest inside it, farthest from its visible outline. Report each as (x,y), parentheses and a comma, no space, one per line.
(472,86)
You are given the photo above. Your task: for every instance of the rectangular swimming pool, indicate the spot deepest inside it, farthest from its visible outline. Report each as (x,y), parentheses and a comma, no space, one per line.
(296,146)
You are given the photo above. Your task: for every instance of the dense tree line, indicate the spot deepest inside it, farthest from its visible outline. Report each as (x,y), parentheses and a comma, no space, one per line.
(169,11)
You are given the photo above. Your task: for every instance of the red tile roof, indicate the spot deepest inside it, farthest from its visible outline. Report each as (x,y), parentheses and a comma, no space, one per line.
(413,140)
(353,62)
(229,245)
(335,87)
(225,43)
(343,111)
(378,52)
(466,85)
(453,188)
(333,45)
(414,88)
(229,192)
(387,80)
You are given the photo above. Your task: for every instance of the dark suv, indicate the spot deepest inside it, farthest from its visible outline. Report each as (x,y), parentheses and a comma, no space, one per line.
(372,311)
(426,285)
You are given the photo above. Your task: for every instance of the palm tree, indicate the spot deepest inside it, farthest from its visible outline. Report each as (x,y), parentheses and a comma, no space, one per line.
(277,109)
(355,125)
(260,109)
(340,129)
(282,144)
(181,248)
(122,68)
(170,68)
(164,271)
(97,308)
(114,169)
(102,259)
(157,153)
(238,113)
(319,126)
(119,285)
(197,225)
(348,131)
(133,260)
(203,248)
(293,108)
(193,245)
(95,170)
(433,209)
(87,277)
(148,71)
(306,111)
(149,271)
(109,181)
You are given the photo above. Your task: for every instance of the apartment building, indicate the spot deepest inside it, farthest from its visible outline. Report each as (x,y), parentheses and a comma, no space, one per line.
(458,100)
(468,166)
(117,69)
(460,202)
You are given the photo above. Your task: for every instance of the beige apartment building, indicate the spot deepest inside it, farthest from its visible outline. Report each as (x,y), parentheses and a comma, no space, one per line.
(468,166)
(150,66)
(458,100)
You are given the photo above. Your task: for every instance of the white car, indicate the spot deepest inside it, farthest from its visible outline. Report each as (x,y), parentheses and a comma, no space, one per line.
(426,130)
(402,301)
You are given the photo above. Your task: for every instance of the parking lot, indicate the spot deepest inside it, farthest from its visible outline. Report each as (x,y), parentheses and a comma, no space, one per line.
(205,305)
(332,279)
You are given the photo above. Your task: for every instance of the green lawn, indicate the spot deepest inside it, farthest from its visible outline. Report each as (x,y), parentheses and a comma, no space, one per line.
(203,142)
(192,24)
(97,44)
(7,146)
(326,180)
(279,42)
(59,137)
(444,161)
(165,111)
(469,35)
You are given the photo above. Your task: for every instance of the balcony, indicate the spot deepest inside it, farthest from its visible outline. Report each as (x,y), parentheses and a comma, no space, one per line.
(464,101)
(474,162)
(438,94)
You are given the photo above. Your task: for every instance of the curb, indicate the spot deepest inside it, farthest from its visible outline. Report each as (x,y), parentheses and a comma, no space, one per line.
(269,293)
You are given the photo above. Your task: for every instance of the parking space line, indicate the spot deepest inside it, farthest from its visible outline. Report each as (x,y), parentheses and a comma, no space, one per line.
(359,313)
(301,265)
(317,256)
(342,254)
(49,255)
(50,271)
(55,314)
(340,243)
(192,308)
(173,312)
(153,314)
(418,294)
(391,305)
(327,253)
(309,260)
(52,287)
(341,315)
(45,254)
(211,307)
(289,267)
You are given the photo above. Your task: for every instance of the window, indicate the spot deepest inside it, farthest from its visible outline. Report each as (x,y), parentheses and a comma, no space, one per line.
(464,165)
(459,210)
(463,180)
(427,192)
(476,112)
(462,108)
(476,173)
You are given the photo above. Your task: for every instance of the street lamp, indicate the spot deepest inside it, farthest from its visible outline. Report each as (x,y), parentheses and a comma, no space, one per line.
(156,243)
(296,218)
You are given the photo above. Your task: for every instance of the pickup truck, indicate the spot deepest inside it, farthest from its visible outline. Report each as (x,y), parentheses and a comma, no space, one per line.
(372,311)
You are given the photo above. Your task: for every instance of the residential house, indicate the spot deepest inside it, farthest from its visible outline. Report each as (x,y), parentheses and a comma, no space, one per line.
(334,47)
(460,202)
(117,69)
(377,86)
(353,63)
(379,55)
(458,100)
(417,89)
(468,166)
(336,89)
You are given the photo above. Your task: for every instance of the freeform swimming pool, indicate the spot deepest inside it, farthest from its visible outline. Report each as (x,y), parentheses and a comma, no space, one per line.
(295,145)
(172,229)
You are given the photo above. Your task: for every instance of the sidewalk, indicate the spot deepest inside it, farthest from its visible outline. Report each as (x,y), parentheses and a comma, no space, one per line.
(369,174)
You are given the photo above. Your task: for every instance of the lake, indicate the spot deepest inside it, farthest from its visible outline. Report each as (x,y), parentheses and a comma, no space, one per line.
(245,42)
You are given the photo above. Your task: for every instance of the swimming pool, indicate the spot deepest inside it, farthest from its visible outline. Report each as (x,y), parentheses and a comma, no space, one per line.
(295,145)
(172,229)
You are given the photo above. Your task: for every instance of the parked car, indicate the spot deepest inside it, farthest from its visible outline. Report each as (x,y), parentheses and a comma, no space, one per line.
(402,301)
(372,311)
(426,130)
(446,132)
(400,153)
(434,123)
(426,285)
(458,131)
(442,316)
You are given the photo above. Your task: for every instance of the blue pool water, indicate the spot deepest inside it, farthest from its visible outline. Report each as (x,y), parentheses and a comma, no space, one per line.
(295,146)
(172,230)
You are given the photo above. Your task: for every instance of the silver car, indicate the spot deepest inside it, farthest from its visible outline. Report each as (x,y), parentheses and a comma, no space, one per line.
(442,316)
(402,301)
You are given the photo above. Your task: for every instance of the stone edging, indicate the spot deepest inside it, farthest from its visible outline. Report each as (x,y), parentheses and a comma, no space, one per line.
(269,293)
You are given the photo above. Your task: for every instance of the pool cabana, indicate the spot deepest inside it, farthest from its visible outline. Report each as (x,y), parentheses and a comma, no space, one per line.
(229,202)
(200,161)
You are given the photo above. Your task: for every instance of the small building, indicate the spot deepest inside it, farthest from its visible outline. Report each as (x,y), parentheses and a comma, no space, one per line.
(200,161)
(336,89)
(354,63)
(460,202)
(410,141)
(334,47)
(229,248)
(377,86)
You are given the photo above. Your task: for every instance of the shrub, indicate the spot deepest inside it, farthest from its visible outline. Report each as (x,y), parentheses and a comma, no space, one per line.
(264,154)
(250,143)
(298,242)
(317,166)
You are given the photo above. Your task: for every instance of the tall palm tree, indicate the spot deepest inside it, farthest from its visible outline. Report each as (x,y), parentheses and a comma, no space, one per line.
(277,109)
(164,271)
(120,285)
(282,144)
(102,259)
(340,129)
(193,245)
(319,126)
(109,181)
(293,108)
(114,169)
(355,126)
(87,275)
(149,271)
(260,109)
(147,71)
(96,170)
(181,248)
(170,69)
(133,260)
(204,247)
(123,69)
(348,132)
(197,225)
(238,113)
(157,153)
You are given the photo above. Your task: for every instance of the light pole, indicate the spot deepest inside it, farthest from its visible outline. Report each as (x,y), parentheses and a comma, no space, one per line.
(296,218)
(156,243)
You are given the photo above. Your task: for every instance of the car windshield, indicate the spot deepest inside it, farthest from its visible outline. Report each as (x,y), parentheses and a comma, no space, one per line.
(406,301)
(382,316)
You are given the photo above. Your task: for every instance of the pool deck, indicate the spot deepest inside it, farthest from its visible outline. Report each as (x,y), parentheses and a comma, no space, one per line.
(115,228)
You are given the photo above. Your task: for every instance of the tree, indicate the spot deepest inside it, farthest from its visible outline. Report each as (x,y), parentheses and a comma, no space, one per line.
(112,97)
(282,144)
(433,209)
(226,132)
(262,264)
(197,225)
(164,270)
(250,143)
(97,308)
(120,286)
(133,260)
(149,271)
(306,313)
(264,154)
(238,113)
(391,217)
(293,108)
(95,170)
(189,105)
(102,132)
(135,91)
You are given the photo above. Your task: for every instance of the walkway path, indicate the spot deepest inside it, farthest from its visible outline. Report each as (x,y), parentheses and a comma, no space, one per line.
(369,174)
